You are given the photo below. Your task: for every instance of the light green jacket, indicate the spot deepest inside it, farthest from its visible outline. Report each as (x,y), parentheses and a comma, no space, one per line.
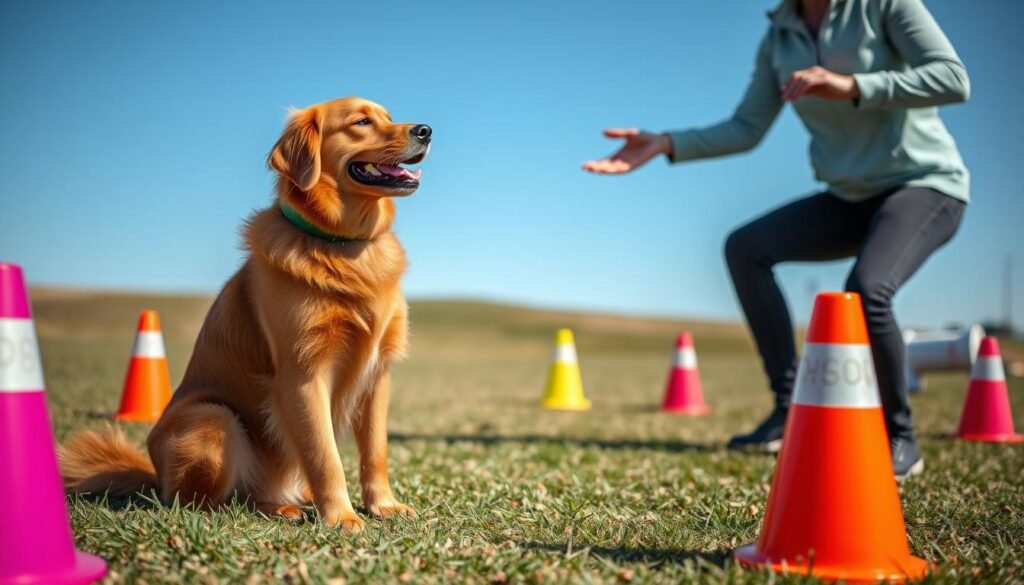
(891,136)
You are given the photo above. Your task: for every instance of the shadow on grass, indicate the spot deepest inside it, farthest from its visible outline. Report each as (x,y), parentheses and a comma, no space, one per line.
(149,500)
(489,440)
(635,555)
(939,435)
(98,415)
(144,500)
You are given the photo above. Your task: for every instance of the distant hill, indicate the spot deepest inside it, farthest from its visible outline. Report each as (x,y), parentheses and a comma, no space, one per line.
(92,314)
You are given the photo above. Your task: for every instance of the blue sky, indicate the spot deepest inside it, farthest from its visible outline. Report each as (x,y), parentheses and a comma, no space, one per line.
(134,137)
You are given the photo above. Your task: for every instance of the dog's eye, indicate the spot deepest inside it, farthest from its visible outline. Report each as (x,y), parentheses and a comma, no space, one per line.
(362,122)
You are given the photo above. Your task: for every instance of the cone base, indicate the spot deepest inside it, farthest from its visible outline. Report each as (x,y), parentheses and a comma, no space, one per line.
(911,569)
(993,438)
(574,406)
(87,569)
(693,410)
(138,417)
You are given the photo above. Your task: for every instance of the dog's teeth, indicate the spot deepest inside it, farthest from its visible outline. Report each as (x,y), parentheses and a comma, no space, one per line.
(372,169)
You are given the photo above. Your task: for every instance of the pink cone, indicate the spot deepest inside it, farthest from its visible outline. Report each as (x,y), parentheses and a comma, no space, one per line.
(986,416)
(36,545)
(683,393)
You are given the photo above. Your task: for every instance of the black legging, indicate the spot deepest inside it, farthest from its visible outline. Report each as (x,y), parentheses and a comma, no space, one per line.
(891,236)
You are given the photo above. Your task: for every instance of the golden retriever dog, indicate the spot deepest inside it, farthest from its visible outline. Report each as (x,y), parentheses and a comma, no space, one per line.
(296,349)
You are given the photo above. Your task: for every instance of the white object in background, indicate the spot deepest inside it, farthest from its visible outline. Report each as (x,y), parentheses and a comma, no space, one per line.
(941,350)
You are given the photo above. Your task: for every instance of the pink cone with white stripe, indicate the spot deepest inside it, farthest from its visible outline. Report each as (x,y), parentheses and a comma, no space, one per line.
(683,393)
(36,546)
(987,415)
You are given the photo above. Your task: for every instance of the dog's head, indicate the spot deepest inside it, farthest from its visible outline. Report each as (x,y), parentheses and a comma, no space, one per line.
(354,144)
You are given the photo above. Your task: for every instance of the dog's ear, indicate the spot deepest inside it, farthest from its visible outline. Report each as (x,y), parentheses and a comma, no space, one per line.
(297,153)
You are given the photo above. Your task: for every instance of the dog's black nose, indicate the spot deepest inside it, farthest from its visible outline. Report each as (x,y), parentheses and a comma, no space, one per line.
(421,131)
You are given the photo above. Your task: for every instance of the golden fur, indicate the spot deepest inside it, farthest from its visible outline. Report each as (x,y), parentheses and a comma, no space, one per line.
(296,348)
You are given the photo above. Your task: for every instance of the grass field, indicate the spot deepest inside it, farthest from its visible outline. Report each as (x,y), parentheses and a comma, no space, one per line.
(507,492)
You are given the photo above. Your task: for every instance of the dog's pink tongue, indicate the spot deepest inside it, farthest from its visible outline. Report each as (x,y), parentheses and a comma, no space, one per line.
(399,171)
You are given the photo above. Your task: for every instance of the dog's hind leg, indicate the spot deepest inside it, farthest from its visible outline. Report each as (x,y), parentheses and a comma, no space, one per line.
(202,454)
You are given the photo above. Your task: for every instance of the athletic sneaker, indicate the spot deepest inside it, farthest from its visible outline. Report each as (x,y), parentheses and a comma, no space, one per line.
(767,436)
(906,458)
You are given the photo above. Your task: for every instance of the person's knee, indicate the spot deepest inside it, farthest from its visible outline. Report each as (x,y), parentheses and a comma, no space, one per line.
(740,246)
(876,297)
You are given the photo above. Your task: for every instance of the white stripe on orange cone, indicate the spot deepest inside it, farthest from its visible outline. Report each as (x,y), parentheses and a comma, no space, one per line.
(837,374)
(149,344)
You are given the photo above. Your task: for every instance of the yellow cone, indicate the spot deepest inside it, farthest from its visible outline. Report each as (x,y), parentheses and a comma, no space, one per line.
(565,387)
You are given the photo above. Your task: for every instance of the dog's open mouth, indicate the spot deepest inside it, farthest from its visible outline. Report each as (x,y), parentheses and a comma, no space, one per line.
(387,176)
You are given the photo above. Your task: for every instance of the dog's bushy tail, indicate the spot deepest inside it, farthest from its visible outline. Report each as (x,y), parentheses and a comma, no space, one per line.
(98,462)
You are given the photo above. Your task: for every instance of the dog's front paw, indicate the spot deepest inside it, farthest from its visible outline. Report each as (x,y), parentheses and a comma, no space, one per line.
(388,508)
(347,520)
(352,523)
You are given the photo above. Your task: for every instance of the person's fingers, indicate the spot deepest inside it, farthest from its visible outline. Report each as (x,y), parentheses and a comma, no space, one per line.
(803,82)
(617,166)
(607,166)
(796,88)
(814,84)
(597,166)
(801,89)
(600,167)
(787,89)
(621,132)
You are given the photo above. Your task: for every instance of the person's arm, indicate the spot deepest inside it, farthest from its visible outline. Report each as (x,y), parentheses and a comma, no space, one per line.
(936,77)
(755,114)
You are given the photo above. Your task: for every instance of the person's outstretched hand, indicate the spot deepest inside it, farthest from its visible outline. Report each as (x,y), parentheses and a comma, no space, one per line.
(640,147)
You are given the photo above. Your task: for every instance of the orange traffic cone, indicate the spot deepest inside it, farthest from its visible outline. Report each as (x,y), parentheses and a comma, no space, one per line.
(986,416)
(683,393)
(834,510)
(147,386)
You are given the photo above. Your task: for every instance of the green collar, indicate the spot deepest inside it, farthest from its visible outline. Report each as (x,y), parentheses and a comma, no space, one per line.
(303,224)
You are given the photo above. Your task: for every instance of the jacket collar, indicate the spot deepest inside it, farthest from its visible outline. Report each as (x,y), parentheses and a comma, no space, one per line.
(785,14)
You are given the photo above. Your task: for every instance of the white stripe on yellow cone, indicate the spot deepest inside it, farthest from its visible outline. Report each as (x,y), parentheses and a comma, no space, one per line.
(20,369)
(686,358)
(837,374)
(988,367)
(149,344)
(565,354)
